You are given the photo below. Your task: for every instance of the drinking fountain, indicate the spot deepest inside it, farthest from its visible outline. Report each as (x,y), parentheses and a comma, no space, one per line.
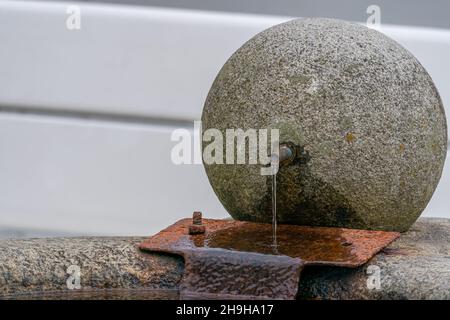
(361,144)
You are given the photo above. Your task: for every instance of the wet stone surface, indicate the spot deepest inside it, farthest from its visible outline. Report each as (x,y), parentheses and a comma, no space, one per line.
(364,111)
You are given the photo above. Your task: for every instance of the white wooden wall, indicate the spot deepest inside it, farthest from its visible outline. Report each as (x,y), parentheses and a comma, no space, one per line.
(86,115)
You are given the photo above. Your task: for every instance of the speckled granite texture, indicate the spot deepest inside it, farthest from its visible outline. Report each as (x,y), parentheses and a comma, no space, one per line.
(362,107)
(416,266)
(110,268)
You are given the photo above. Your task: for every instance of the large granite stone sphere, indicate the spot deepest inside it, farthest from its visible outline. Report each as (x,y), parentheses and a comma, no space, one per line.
(366,113)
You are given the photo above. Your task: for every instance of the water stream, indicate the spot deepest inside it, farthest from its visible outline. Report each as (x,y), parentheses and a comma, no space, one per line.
(274,212)
(275,167)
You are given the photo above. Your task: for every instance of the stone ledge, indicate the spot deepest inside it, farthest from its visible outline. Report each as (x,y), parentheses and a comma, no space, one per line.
(417,266)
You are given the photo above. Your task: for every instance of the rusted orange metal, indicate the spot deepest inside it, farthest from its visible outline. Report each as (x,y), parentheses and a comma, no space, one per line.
(230,257)
(314,245)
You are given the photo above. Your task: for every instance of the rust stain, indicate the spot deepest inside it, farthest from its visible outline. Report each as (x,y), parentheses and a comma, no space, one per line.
(224,274)
(235,259)
(350,137)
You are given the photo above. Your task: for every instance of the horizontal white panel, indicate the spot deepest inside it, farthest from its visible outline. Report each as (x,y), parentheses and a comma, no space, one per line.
(138,61)
(96,178)
(143,61)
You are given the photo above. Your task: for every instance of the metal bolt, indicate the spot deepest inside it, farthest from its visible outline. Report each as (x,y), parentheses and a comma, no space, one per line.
(197,218)
(197,227)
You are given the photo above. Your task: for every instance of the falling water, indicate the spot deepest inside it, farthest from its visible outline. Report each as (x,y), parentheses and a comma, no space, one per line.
(274,214)
(275,162)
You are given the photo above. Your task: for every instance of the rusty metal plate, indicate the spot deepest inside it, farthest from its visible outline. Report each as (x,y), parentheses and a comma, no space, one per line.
(223,274)
(237,260)
(314,245)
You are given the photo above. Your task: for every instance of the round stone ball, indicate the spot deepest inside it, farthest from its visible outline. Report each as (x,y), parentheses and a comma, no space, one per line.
(365,113)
